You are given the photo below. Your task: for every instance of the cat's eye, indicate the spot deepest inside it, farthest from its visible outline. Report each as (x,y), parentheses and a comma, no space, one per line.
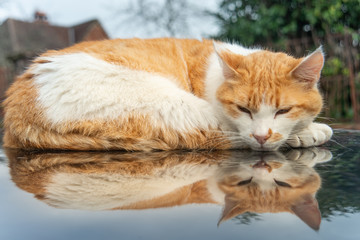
(282,184)
(245,110)
(283,111)
(244,182)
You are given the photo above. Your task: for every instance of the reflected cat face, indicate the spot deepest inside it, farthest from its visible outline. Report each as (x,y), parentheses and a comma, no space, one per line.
(271,183)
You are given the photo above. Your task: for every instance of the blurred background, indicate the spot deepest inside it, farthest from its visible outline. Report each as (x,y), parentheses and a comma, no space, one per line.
(29,27)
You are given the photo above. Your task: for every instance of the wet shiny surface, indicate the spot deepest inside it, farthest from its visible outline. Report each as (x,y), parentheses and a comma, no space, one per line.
(181,195)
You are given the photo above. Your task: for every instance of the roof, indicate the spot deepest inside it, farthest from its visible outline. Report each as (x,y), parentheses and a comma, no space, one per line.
(27,36)
(35,37)
(81,30)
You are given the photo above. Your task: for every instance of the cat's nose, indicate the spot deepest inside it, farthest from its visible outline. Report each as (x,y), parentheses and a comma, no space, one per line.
(261,139)
(262,164)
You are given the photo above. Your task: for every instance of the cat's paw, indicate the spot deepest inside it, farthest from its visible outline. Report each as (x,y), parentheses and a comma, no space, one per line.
(309,156)
(314,135)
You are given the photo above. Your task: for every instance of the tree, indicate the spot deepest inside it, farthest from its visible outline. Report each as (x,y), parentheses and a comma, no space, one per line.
(256,21)
(172,18)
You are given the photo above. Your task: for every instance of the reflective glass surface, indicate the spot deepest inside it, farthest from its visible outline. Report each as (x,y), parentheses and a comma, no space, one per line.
(291,194)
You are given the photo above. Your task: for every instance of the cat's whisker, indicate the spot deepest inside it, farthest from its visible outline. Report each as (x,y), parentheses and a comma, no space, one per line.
(326,118)
(225,132)
(334,141)
(236,137)
(232,140)
(214,141)
(227,143)
(217,141)
(219,144)
(335,123)
(222,140)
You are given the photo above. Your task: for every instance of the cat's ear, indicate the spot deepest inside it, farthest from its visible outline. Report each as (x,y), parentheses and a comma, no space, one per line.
(225,61)
(309,69)
(231,209)
(307,209)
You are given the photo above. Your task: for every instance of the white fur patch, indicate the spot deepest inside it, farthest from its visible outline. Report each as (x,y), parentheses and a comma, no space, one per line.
(81,87)
(101,191)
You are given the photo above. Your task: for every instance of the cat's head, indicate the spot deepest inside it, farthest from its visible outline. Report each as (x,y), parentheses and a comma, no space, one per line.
(266,96)
(269,182)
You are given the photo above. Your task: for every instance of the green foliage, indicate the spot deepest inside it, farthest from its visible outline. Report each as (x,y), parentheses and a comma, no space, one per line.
(258,22)
(334,66)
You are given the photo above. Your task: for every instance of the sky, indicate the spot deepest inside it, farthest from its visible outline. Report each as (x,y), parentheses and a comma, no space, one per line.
(71,12)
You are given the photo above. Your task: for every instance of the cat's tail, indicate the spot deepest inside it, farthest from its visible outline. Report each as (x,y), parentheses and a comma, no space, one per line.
(54,141)
(50,140)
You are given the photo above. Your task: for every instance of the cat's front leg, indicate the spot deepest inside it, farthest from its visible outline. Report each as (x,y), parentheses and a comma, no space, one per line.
(313,135)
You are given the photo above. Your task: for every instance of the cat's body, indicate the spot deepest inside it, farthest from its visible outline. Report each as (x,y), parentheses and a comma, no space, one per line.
(165,94)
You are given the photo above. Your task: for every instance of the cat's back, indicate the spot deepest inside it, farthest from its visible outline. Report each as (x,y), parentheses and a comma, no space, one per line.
(182,60)
(115,94)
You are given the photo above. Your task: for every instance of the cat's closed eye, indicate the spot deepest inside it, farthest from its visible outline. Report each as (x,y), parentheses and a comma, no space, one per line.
(282,184)
(244,182)
(283,111)
(244,110)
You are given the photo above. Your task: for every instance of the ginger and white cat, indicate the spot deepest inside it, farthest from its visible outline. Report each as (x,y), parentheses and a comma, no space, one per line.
(240,181)
(163,94)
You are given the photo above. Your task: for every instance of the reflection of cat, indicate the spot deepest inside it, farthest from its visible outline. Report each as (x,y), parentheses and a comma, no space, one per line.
(241,181)
(165,94)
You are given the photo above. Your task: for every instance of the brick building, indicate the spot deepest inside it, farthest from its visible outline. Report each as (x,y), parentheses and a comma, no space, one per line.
(21,41)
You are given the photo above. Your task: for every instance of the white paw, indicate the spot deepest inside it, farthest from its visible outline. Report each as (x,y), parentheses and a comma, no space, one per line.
(309,156)
(321,155)
(314,135)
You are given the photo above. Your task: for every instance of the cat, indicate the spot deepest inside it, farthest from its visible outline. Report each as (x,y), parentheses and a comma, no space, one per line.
(165,94)
(240,181)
